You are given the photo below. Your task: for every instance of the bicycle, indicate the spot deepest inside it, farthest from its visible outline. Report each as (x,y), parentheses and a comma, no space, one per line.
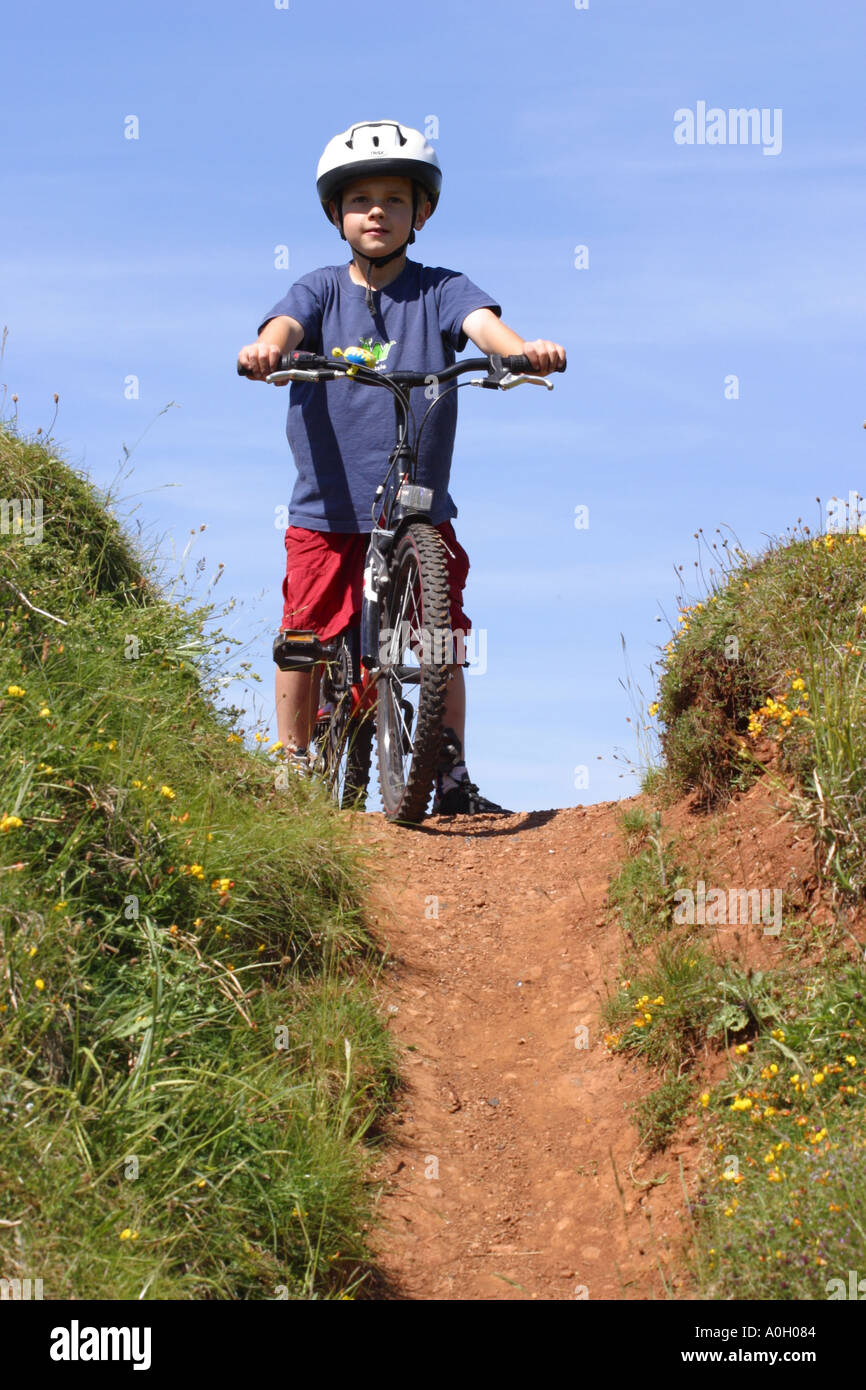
(390,669)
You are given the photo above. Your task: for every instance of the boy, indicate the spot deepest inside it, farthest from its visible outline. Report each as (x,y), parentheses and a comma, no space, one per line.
(378,183)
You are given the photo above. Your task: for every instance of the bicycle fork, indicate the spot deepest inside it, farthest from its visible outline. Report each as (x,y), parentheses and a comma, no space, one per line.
(376,579)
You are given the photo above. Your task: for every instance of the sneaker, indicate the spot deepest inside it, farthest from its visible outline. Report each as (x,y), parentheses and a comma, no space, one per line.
(464,799)
(455,794)
(297,760)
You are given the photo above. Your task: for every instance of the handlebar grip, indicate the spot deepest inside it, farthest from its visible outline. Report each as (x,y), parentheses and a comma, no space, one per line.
(304,359)
(293,359)
(520,363)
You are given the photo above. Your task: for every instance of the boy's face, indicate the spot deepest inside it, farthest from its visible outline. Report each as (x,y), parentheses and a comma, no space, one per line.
(377,214)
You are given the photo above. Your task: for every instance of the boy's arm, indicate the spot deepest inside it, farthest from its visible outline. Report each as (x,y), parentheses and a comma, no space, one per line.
(490,334)
(279,335)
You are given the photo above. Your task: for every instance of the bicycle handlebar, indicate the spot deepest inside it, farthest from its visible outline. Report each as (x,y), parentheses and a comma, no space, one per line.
(318,367)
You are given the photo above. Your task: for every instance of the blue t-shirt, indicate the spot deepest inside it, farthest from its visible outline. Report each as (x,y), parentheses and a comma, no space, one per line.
(341,432)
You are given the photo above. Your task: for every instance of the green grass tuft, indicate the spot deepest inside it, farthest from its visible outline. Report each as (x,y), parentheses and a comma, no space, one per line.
(642,893)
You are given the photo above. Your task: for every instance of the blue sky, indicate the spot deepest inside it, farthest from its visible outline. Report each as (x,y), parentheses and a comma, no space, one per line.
(155,258)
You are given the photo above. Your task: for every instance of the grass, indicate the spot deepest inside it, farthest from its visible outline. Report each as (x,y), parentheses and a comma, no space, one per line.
(767,671)
(783,1209)
(772,656)
(191,1064)
(642,893)
(661,1112)
(664,1012)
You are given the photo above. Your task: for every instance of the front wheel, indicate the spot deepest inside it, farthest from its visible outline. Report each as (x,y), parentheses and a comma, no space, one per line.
(415,650)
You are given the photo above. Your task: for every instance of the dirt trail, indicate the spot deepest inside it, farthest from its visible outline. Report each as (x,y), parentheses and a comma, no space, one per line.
(499,1175)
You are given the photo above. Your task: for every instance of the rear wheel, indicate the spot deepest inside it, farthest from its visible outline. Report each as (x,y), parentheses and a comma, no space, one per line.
(415,651)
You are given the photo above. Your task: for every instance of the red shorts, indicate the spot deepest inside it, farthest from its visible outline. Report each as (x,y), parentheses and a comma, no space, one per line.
(324,580)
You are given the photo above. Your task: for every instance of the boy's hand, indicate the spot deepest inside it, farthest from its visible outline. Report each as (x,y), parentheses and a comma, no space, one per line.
(545,357)
(260,359)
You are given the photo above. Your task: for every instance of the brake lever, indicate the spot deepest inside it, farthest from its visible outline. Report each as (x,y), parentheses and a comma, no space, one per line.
(509,380)
(301,374)
(506,380)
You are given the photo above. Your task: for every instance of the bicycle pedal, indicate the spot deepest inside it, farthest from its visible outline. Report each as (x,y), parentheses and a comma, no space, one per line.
(301,651)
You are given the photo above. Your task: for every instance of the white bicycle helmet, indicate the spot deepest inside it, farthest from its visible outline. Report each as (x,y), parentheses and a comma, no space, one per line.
(381,148)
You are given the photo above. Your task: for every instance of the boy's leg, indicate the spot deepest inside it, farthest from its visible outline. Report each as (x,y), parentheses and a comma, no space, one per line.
(321,593)
(454,716)
(297,698)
